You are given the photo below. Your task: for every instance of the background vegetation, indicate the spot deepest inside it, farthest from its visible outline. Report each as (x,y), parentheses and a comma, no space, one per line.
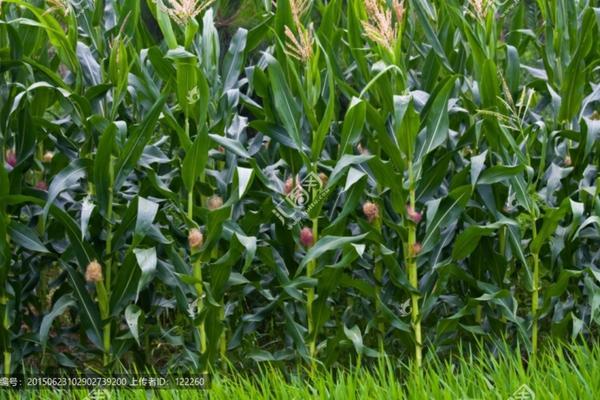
(215,184)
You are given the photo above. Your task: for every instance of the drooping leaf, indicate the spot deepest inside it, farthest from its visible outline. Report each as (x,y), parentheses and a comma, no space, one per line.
(133,314)
(326,244)
(66,179)
(62,304)
(499,173)
(146,259)
(467,240)
(88,310)
(26,237)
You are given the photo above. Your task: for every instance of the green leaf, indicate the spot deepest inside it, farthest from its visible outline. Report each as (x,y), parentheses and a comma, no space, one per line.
(133,315)
(499,173)
(87,208)
(489,84)
(134,146)
(447,212)
(285,106)
(406,124)
(340,167)
(163,67)
(180,54)
(62,304)
(26,237)
(195,160)
(88,311)
(146,259)
(243,179)
(210,45)
(102,167)
(187,84)
(214,226)
(467,240)
(66,179)
(477,165)
(594,219)
(325,123)
(437,121)
(249,243)
(234,59)
(56,34)
(125,285)
(572,89)
(551,219)
(513,68)
(230,144)
(165,24)
(326,244)
(390,316)
(353,124)
(83,251)
(146,212)
(353,176)
(424,14)
(355,336)
(293,329)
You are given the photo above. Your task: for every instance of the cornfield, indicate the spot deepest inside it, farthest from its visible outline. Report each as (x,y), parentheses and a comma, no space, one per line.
(213,185)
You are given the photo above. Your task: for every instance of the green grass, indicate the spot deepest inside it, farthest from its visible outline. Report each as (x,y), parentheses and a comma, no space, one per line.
(183,188)
(560,372)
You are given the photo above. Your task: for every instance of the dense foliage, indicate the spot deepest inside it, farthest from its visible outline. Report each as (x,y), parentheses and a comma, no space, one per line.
(184,183)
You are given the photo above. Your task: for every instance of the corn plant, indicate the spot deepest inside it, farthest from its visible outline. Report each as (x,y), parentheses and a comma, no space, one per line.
(199,184)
